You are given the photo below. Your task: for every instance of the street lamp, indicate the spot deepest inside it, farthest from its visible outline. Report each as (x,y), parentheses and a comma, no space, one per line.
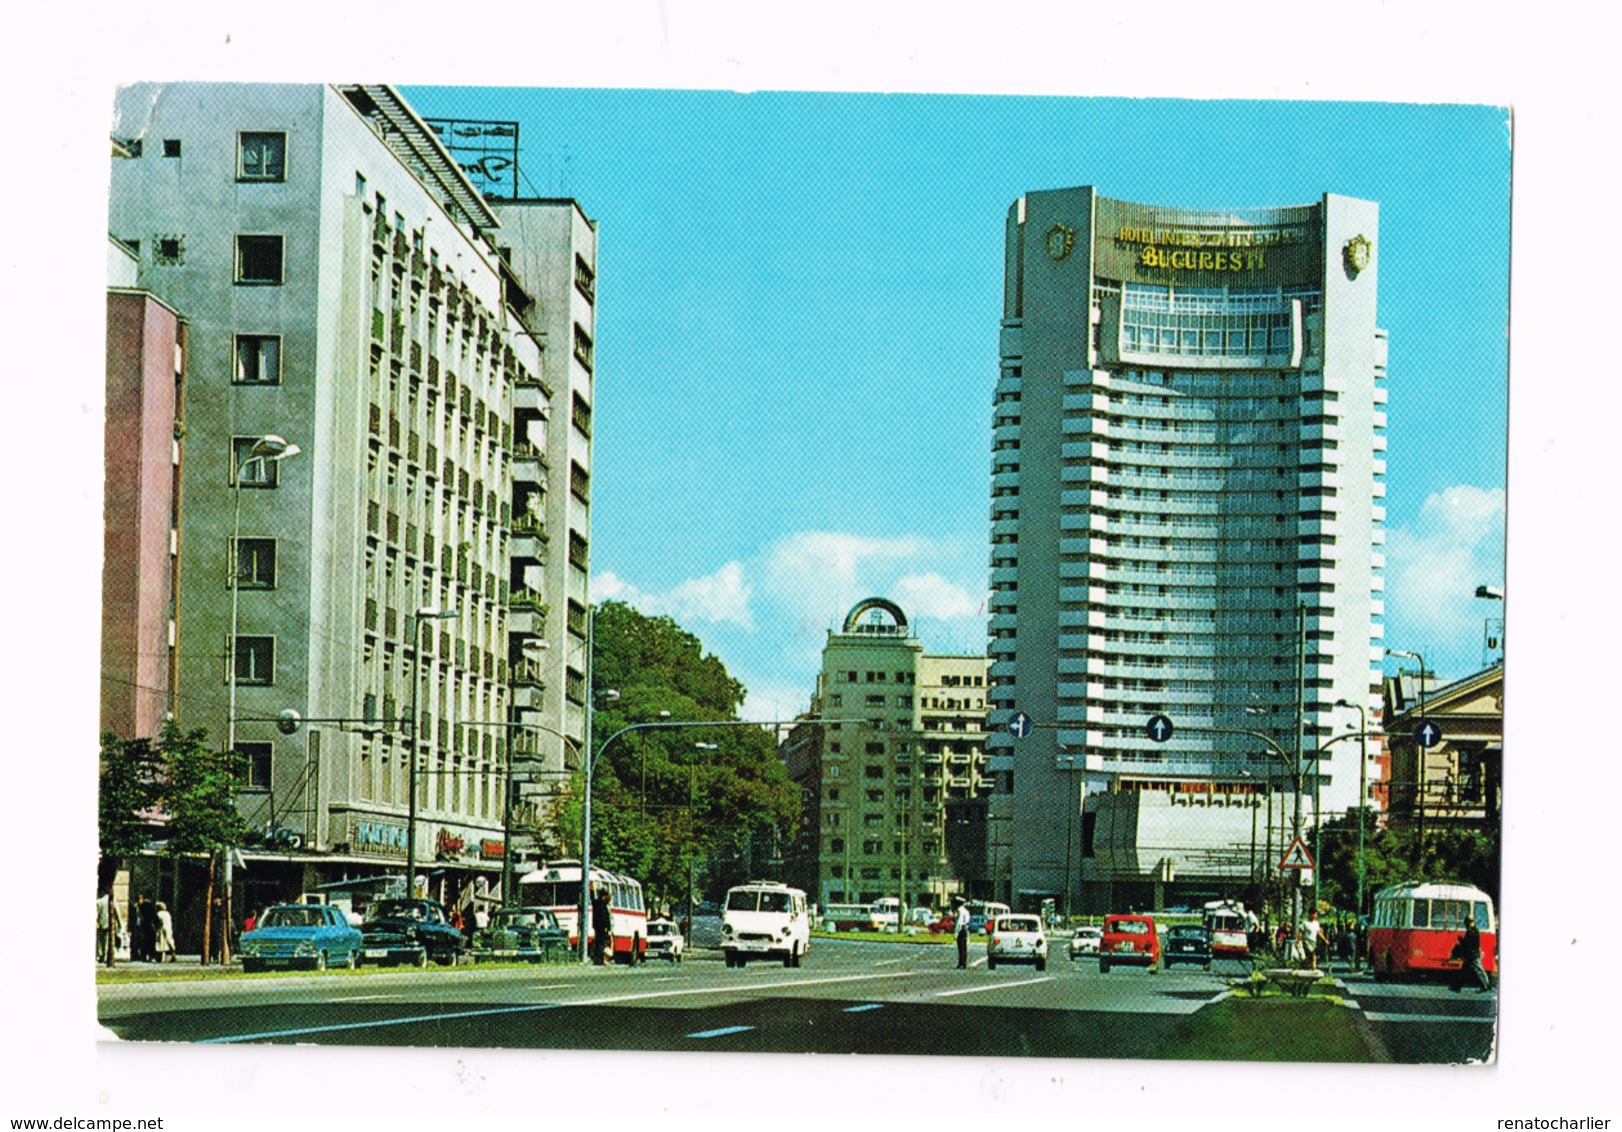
(1070,826)
(1488,643)
(268,449)
(426,613)
(1421,762)
(1362,789)
(692,821)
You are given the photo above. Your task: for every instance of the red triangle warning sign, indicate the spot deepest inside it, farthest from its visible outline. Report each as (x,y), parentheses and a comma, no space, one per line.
(1296,857)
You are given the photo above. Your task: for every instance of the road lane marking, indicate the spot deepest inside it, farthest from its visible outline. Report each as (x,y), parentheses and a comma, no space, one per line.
(1374,1017)
(372,1025)
(888,962)
(774,985)
(722,1030)
(995,986)
(603,1001)
(864,1006)
(361,997)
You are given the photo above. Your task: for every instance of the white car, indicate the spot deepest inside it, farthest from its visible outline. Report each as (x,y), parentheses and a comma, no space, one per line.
(1086,941)
(1016,939)
(664,941)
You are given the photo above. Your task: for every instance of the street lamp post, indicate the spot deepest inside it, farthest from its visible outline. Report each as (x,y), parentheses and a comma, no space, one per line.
(1421,762)
(1362,789)
(692,821)
(269,448)
(1488,644)
(1071,805)
(426,613)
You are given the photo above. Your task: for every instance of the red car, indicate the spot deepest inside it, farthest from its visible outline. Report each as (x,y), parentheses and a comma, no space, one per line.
(947,924)
(1129,939)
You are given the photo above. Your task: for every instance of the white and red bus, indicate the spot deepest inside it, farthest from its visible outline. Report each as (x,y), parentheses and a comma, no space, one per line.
(1229,926)
(1416,926)
(556,887)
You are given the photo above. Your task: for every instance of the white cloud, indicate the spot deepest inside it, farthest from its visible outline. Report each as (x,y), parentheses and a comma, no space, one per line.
(817,576)
(930,595)
(803,584)
(1433,568)
(716,599)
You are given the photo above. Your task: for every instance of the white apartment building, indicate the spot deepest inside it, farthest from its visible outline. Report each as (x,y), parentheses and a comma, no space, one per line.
(422,346)
(1187,473)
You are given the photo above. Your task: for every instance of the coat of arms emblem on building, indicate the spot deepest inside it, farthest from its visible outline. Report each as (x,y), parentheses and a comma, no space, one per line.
(1357,252)
(1060,240)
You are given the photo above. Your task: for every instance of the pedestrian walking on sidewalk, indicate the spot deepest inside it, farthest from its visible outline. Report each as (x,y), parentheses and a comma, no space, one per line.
(165,945)
(962,926)
(1471,970)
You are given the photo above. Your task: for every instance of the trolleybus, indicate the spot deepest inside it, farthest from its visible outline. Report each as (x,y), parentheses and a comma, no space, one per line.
(1416,927)
(1230,929)
(555,886)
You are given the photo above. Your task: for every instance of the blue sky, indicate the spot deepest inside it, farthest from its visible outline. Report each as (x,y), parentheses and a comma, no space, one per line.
(797,335)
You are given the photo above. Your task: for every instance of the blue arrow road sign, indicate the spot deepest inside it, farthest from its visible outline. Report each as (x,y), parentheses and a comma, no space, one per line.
(1427,734)
(1159,728)
(1020,725)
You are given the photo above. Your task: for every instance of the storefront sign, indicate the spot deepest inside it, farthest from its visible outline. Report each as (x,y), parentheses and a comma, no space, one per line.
(379,837)
(448,844)
(492,850)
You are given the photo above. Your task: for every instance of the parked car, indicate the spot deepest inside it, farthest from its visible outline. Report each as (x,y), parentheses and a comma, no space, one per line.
(946,924)
(1129,939)
(1085,941)
(529,934)
(1016,939)
(664,941)
(409,931)
(1188,943)
(304,935)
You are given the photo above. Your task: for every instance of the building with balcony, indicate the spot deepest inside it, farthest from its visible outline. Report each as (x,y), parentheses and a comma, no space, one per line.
(355,294)
(892,769)
(1187,472)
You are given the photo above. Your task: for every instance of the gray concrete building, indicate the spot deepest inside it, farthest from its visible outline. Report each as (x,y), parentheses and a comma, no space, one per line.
(1186,520)
(356,295)
(894,770)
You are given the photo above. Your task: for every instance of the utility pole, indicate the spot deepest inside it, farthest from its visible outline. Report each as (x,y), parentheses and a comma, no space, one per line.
(1300,751)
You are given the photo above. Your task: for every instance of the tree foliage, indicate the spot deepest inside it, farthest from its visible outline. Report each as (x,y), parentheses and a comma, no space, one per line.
(660,803)
(200,792)
(180,777)
(1393,856)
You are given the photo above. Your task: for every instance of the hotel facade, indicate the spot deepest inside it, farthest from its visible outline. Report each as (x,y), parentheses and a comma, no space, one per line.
(428,350)
(1186,521)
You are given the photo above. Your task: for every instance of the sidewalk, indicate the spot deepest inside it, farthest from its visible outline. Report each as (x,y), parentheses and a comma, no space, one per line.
(184,966)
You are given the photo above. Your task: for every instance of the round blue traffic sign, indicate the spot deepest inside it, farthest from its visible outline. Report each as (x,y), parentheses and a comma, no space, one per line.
(1159,728)
(1020,725)
(1427,734)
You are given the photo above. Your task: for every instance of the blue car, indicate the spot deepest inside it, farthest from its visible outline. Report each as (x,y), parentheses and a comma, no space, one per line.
(301,935)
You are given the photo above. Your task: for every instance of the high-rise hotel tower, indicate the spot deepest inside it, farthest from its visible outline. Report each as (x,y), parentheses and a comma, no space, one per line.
(1186,520)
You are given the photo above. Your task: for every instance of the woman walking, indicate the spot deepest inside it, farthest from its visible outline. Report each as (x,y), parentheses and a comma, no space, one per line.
(165,945)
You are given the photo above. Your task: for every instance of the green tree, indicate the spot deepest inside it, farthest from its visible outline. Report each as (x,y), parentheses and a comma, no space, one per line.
(129,788)
(661,804)
(1392,856)
(199,792)
(199,795)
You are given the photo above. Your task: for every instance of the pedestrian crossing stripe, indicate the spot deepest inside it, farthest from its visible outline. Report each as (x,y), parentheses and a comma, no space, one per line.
(1296,857)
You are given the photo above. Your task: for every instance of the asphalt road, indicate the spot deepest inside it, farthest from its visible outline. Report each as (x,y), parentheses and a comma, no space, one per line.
(849,997)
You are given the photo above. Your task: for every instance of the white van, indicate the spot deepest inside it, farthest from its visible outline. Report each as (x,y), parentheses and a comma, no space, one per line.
(765,918)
